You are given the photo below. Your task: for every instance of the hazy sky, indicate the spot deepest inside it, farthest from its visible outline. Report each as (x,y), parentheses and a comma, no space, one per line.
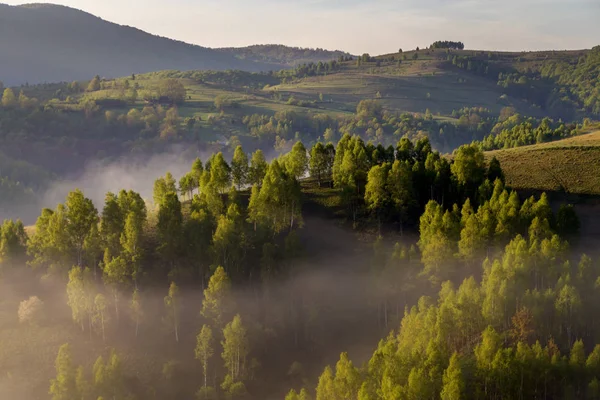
(375,26)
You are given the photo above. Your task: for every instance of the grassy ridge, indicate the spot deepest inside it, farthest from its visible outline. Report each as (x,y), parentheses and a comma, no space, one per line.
(570,165)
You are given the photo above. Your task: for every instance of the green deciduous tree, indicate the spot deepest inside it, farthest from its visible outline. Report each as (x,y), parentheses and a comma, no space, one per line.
(170,228)
(80,296)
(137,310)
(453,380)
(377,196)
(94,84)
(173,308)
(162,187)
(297,160)
(63,386)
(217,302)
(204,351)
(13,242)
(9,100)
(239,167)
(220,173)
(99,318)
(325,387)
(81,216)
(319,161)
(258,168)
(235,348)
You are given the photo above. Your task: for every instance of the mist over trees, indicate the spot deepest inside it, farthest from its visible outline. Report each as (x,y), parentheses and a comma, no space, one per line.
(483,302)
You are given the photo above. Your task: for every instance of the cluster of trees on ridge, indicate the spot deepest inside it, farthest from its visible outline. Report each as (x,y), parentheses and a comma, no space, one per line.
(445,44)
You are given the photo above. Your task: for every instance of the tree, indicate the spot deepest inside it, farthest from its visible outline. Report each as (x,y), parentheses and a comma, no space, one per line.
(79,296)
(131,242)
(80,215)
(567,221)
(82,386)
(196,172)
(170,126)
(318,162)
(347,379)
(94,84)
(325,387)
(453,380)
(216,302)
(170,227)
(226,245)
(30,310)
(494,171)
(468,166)
(111,224)
(376,194)
(137,310)
(99,317)
(521,325)
(239,167)
(401,190)
(472,242)
(204,350)
(116,274)
(258,168)
(63,387)
(9,100)
(220,173)
(100,377)
(255,207)
(173,307)
(297,160)
(162,187)
(13,242)
(172,90)
(114,374)
(235,348)
(292,395)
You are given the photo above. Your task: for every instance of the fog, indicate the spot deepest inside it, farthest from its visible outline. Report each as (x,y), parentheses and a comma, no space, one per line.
(132,172)
(330,285)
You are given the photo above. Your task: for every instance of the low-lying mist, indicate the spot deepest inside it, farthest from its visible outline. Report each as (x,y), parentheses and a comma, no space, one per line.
(324,304)
(132,172)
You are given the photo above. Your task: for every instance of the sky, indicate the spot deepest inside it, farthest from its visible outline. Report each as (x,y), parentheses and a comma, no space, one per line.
(372,26)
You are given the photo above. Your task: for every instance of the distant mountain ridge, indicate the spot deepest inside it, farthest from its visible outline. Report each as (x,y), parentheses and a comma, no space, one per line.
(286,55)
(51,43)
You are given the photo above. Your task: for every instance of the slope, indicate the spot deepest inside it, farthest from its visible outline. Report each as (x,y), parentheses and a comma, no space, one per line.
(49,43)
(569,165)
(284,55)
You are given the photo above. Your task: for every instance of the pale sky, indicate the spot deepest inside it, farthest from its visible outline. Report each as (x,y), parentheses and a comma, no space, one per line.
(376,26)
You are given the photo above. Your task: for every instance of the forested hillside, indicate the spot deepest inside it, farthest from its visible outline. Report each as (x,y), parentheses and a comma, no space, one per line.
(284,55)
(216,290)
(51,43)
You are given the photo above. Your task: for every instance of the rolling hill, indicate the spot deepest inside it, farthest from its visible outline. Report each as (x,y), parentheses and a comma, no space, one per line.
(50,43)
(284,55)
(570,166)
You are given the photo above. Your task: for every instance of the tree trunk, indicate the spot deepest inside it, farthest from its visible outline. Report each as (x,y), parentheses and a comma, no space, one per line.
(116,297)
(385,313)
(205,372)
(102,323)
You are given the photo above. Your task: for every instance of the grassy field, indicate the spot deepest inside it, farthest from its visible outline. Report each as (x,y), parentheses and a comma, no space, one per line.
(570,165)
(413,86)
